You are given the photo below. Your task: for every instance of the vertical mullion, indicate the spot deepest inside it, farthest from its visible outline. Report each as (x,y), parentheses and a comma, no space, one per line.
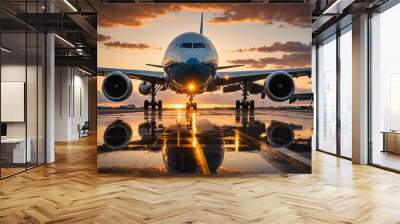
(316,97)
(369,79)
(26,87)
(338,95)
(45,94)
(46,36)
(37,90)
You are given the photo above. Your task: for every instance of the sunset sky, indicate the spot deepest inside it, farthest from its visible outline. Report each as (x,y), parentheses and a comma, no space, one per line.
(261,36)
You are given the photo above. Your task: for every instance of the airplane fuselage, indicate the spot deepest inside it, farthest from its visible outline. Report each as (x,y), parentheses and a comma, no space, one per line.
(190,63)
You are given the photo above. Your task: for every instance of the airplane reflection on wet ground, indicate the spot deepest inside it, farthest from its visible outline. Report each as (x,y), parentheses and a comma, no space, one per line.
(205,142)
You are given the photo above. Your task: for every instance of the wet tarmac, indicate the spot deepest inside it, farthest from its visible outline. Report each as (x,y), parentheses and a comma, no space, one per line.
(205,142)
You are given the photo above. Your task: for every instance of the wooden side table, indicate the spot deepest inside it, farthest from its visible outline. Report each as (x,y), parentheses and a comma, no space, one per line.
(391,141)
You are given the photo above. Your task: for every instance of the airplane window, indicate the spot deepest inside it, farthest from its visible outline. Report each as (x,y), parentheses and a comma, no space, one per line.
(186,45)
(198,45)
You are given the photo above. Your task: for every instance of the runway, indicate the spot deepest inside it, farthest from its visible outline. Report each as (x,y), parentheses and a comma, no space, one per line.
(220,142)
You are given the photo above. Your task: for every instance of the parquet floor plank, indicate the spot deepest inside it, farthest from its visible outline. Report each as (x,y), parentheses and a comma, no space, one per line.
(71,191)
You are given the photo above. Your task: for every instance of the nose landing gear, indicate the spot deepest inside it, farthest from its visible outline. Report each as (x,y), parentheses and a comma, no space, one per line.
(191,104)
(153,103)
(245,103)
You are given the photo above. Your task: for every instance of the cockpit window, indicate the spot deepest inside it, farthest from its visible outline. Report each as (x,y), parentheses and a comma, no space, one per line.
(192,45)
(186,45)
(198,45)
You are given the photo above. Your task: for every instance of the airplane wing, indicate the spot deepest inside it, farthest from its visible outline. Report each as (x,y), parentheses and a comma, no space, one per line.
(301,97)
(150,76)
(226,78)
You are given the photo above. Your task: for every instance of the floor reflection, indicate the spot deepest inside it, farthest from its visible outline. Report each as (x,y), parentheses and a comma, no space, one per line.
(205,142)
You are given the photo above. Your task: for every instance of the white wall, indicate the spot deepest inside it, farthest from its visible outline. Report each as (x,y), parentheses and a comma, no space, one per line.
(12,73)
(62,81)
(17,73)
(80,112)
(71,102)
(33,126)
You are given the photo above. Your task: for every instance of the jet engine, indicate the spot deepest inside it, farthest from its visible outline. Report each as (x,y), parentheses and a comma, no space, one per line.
(117,135)
(144,88)
(280,134)
(117,86)
(279,86)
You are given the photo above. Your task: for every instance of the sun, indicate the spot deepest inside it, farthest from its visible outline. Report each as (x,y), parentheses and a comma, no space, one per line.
(177,106)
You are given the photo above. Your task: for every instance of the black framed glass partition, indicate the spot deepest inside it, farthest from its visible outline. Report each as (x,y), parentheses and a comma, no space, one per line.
(22,88)
(345,92)
(326,96)
(334,93)
(385,88)
(376,81)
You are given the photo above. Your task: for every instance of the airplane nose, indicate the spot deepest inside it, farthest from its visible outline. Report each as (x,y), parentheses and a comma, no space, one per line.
(192,61)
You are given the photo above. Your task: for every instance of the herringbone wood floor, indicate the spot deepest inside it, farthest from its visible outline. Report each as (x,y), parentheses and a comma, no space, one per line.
(71,191)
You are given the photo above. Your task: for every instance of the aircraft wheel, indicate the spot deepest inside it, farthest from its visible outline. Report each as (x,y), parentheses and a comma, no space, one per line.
(159,104)
(194,106)
(146,104)
(237,104)
(251,104)
(153,105)
(245,105)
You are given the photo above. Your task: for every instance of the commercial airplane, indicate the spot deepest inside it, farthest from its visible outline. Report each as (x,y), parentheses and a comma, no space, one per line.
(190,66)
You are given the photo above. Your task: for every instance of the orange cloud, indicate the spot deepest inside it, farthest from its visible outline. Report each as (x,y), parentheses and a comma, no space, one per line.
(101,37)
(283,14)
(133,15)
(289,47)
(125,45)
(286,61)
(111,15)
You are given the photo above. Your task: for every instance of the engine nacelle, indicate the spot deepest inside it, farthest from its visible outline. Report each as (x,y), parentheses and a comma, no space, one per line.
(280,135)
(117,135)
(145,88)
(279,86)
(117,86)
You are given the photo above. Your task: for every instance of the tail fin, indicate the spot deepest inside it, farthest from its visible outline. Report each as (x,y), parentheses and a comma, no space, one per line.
(201,24)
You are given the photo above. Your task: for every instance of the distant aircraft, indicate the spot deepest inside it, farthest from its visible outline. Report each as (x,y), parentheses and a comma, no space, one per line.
(190,66)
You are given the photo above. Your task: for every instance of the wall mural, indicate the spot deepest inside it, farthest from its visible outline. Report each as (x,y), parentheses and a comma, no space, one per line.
(204,89)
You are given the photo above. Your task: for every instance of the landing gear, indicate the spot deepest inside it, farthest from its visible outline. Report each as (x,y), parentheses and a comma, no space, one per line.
(153,103)
(251,104)
(245,103)
(146,104)
(159,104)
(190,104)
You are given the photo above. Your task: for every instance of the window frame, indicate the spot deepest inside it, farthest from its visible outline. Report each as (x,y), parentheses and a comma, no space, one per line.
(333,37)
